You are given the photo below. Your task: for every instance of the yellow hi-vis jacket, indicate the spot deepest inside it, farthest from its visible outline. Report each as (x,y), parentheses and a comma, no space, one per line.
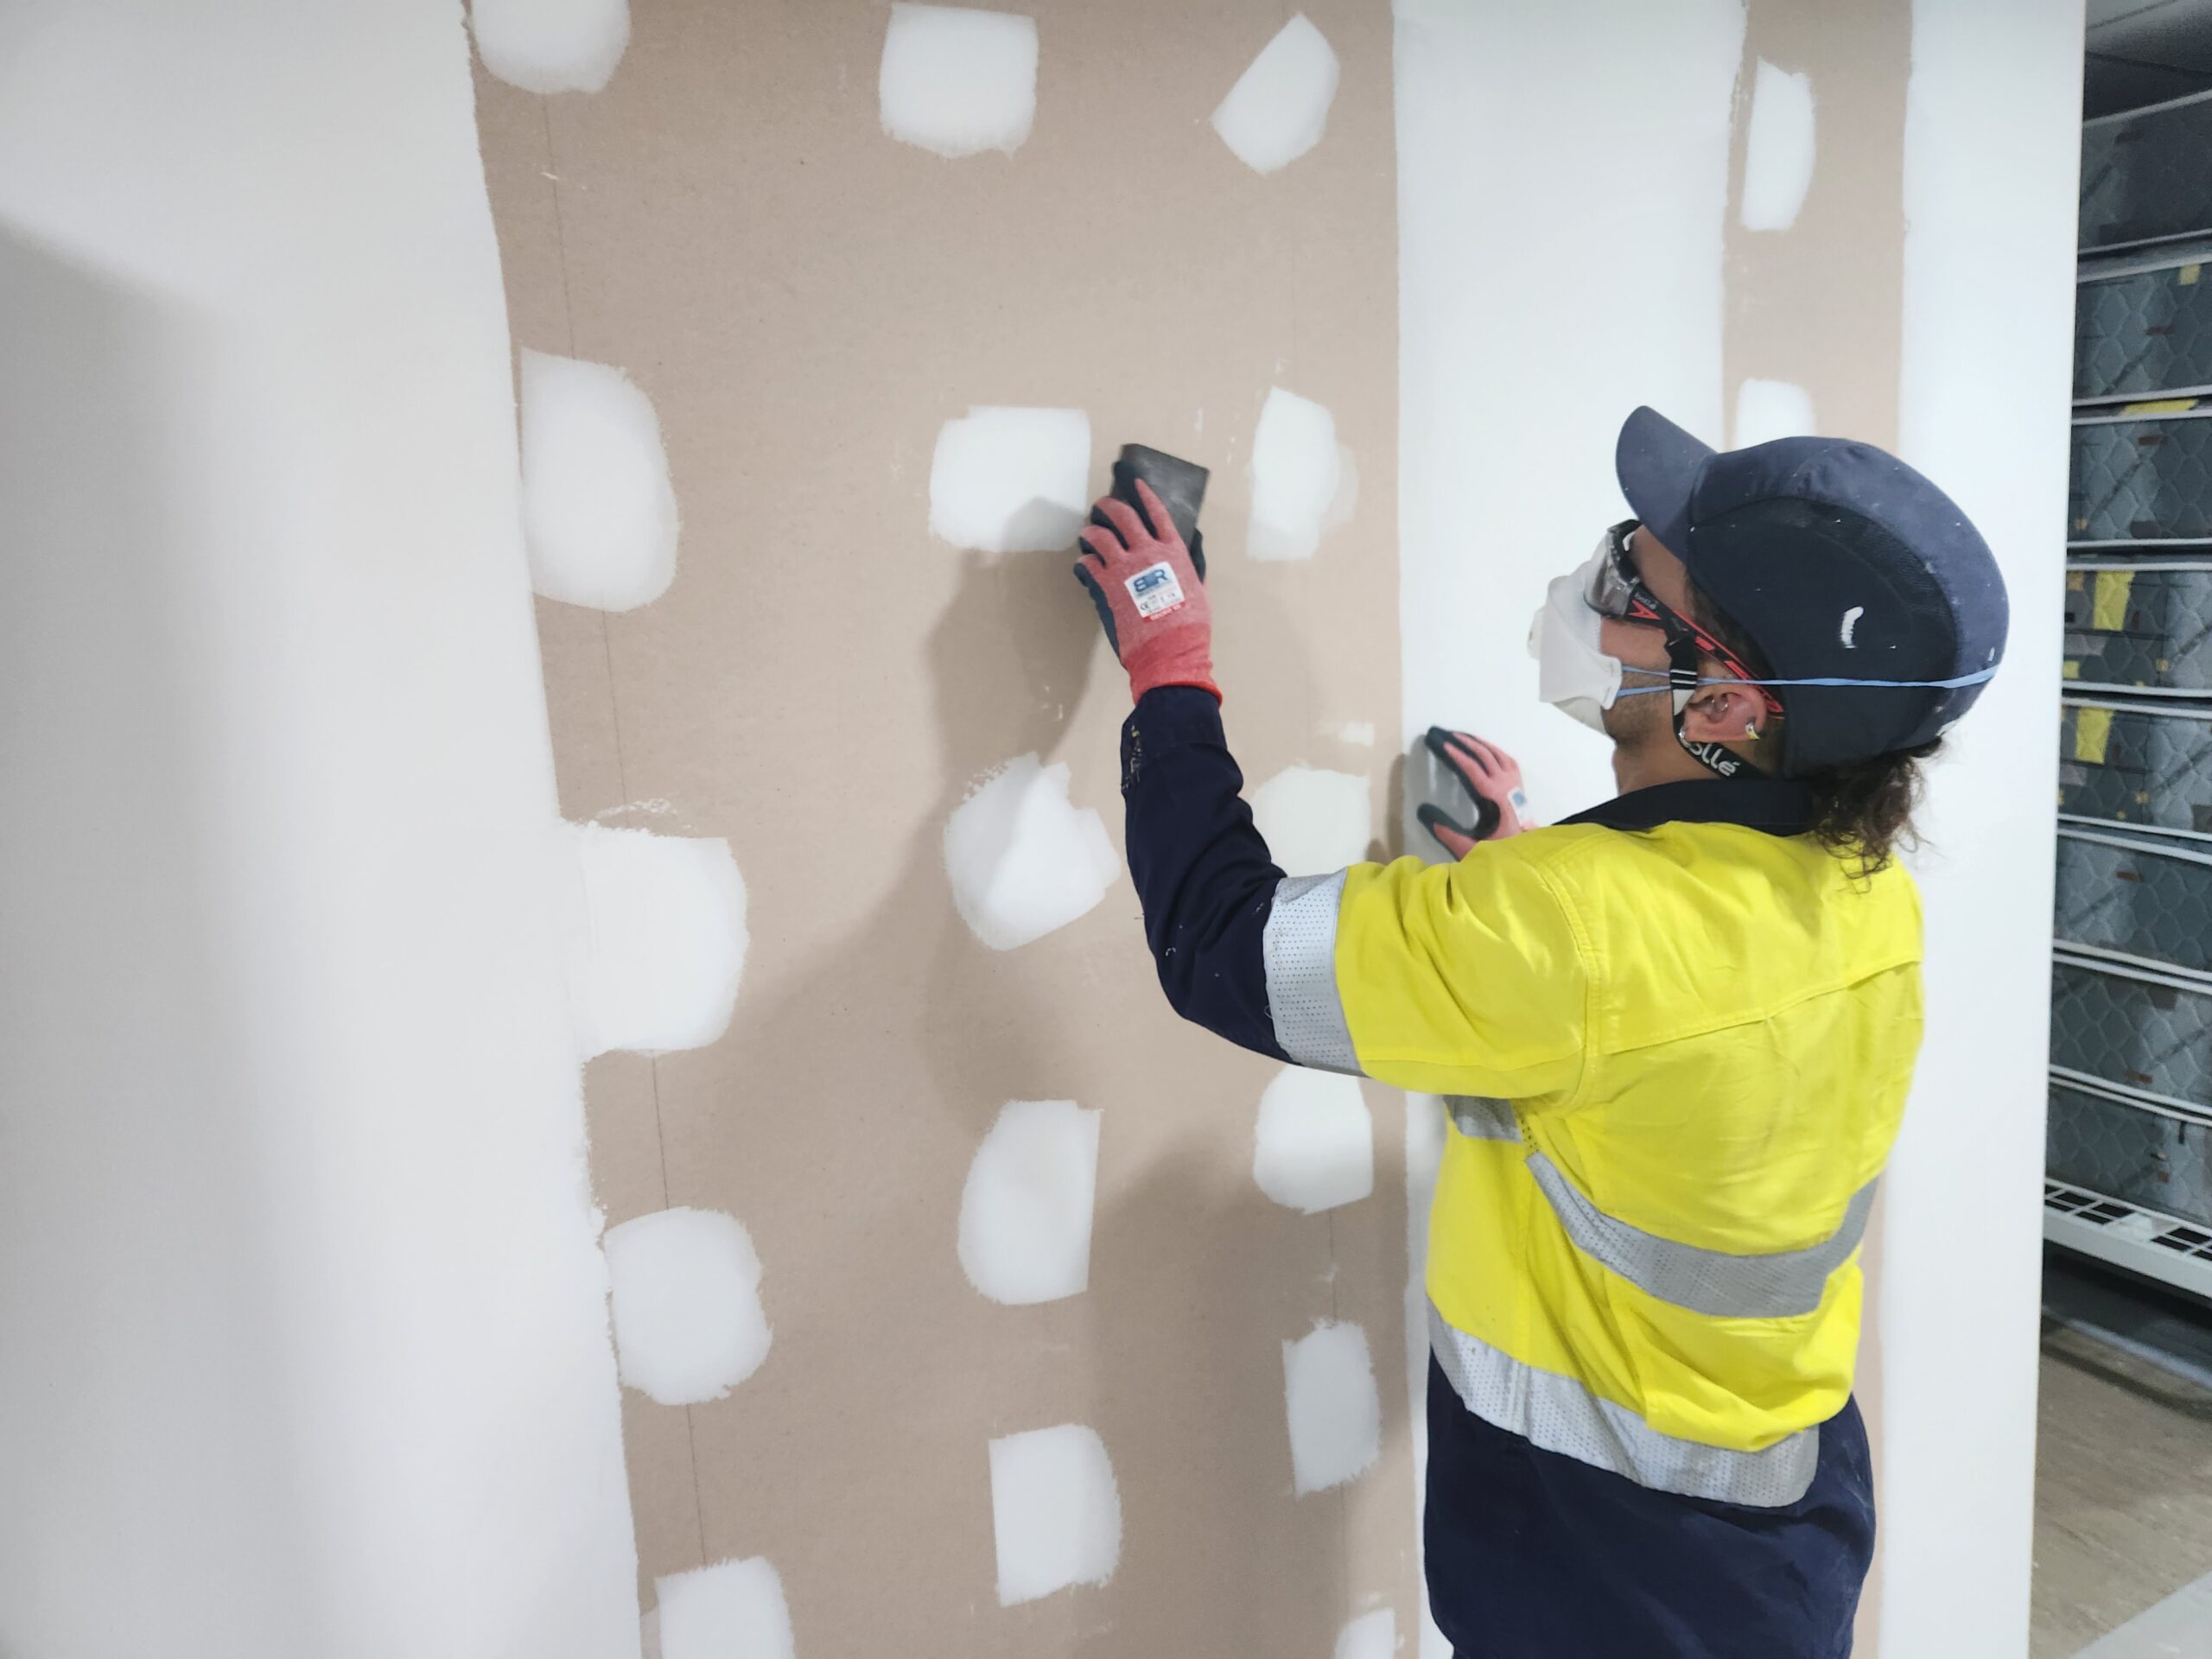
(1675,1060)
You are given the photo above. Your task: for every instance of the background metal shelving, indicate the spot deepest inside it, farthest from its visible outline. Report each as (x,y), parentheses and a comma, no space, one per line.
(2128,1146)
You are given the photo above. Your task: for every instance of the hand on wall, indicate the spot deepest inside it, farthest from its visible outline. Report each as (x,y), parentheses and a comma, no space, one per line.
(1150,597)
(1492,777)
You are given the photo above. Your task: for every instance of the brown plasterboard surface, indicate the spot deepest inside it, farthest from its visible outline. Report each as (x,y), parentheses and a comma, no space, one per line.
(807,301)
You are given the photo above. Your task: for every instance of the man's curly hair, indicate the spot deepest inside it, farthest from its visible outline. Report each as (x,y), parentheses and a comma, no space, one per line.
(1862,811)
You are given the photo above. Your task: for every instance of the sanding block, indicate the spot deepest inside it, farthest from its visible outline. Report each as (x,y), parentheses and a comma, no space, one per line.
(1181,488)
(1179,484)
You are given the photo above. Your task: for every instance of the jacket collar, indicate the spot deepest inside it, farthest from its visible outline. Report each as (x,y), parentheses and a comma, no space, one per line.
(1780,807)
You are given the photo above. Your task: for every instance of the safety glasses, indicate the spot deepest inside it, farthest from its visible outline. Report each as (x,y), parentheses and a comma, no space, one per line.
(1616,590)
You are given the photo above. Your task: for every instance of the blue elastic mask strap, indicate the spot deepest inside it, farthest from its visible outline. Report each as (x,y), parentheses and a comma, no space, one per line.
(1899,685)
(1962,681)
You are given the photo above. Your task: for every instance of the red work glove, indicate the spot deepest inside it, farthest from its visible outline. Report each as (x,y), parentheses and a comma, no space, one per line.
(1155,607)
(1492,777)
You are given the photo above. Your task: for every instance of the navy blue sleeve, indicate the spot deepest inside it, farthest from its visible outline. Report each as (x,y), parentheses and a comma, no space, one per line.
(1201,868)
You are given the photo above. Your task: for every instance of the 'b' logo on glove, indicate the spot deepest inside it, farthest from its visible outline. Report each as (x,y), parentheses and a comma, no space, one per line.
(1155,590)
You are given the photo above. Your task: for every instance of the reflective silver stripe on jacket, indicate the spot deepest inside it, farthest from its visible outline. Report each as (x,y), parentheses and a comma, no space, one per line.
(1299,950)
(1480,1118)
(1558,1413)
(1777,1284)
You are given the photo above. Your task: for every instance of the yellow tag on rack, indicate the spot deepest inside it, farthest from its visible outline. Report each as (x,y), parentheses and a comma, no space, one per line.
(2108,611)
(2092,734)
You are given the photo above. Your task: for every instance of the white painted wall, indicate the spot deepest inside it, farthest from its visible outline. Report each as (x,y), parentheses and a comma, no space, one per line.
(305,1341)
(1993,146)
(1526,333)
(1562,194)
(1524,339)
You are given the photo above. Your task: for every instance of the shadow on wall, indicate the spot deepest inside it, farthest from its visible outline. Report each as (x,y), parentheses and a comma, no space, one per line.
(1153,1354)
(145,1446)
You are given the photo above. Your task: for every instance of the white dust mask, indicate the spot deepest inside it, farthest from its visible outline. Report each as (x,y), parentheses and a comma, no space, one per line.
(1574,672)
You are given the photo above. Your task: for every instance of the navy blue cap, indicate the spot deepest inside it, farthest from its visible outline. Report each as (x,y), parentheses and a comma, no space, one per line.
(1877,606)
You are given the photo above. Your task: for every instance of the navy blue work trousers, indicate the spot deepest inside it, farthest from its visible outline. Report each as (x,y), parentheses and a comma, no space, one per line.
(1535,1555)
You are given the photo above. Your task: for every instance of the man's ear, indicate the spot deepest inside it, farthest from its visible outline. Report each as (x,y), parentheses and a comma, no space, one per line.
(1723,713)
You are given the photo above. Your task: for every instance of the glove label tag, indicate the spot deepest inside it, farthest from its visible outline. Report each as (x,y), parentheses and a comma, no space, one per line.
(1155,590)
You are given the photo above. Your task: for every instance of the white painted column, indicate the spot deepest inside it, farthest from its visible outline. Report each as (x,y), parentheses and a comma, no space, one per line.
(1562,185)
(303,1331)
(1562,189)
(1993,143)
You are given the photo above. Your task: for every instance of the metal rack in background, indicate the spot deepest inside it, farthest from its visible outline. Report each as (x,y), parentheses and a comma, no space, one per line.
(2128,1151)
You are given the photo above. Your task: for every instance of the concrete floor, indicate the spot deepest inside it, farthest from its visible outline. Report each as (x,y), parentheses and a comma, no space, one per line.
(2123,1551)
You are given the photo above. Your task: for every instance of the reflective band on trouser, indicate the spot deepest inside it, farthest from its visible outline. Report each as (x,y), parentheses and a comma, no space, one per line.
(1778,1285)
(1299,950)
(1480,1118)
(1558,1413)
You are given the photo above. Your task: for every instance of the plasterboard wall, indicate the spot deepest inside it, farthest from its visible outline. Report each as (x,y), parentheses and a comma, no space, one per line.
(809,302)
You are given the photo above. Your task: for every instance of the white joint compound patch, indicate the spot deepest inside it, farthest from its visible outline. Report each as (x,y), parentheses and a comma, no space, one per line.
(1361,731)
(1336,1416)
(551,46)
(1012,480)
(956,80)
(1766,410)
(1279,107)
(1056,1513)
(1371,1635)
(729,1609)
(1022,859)
(1778,149)
(598,511)
(1298,477)
(1024,1214)
(1313,1145)
(686,1288)
(1313,820)
(660,939)
(658,807)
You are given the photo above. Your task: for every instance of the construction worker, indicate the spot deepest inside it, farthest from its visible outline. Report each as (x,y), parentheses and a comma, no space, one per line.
(1674,1033)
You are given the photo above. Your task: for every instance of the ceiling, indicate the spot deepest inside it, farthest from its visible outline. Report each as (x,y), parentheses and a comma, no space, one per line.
(2143,52)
